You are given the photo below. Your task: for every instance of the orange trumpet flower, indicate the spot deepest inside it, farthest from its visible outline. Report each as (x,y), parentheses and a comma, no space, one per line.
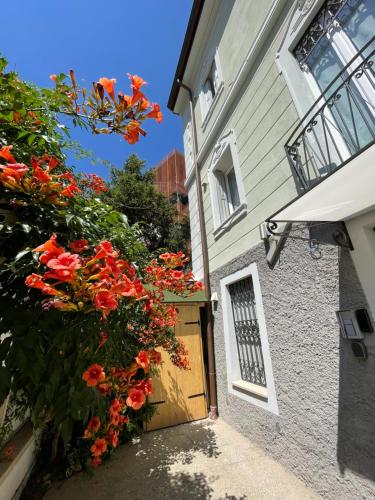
(109,85)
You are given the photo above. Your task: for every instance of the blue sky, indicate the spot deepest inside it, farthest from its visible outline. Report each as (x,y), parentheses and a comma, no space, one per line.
(102,38)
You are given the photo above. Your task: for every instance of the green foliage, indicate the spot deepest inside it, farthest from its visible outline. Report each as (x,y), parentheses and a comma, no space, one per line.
(179,236)
(133,193)
(44,353)
(29,117)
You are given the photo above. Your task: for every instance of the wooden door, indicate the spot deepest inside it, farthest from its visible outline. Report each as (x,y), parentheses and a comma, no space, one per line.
(180,395)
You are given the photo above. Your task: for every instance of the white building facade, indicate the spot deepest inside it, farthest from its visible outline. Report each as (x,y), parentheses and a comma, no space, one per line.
(284,106)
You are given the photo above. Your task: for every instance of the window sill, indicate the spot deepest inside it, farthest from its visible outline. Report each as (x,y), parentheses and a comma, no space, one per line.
(212,107)
(240,212)
(251,389)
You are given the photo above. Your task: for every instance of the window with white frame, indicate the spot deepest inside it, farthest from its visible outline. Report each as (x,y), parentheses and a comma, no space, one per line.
(227,192)
(210,86)
(226,185)
(249,368)
(322,39)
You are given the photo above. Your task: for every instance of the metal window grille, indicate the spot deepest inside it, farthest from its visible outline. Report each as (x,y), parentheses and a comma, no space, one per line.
(246,328)
(320,25)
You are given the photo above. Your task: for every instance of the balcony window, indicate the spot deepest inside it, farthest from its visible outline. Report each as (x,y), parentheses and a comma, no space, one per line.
(341,123)
(333,39)
(329,70)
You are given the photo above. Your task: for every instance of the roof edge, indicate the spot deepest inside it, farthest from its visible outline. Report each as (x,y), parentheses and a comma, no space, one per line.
(195,15)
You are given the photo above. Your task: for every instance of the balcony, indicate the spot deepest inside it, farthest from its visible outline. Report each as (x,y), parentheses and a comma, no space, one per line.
(331,152)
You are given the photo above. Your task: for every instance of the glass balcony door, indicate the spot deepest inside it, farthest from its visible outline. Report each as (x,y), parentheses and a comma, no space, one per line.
(339,72)
(353,107)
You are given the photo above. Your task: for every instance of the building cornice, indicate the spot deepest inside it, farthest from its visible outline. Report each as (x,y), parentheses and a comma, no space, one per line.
(195,16)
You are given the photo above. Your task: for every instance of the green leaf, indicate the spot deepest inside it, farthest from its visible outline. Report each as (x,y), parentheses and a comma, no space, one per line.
(38,407)
(23,252)
(31,139)
(4,348)
(4,383)
(66,430)
(69,217)
(23,133)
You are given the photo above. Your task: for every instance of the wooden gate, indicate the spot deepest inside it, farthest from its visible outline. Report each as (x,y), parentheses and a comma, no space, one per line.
(180,395)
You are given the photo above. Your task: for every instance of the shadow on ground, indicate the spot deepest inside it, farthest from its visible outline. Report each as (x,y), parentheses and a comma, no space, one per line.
(144,469)
(202,460)
(160,450)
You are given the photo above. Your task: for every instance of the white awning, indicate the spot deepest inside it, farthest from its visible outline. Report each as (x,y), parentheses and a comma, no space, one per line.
(343,195)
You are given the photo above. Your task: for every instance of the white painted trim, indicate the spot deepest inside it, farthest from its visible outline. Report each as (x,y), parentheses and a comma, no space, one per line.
(303,95)
(252,388)
(240,212)
(246,392)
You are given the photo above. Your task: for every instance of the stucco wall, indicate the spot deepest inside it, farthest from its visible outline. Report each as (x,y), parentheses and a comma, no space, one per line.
(325,429)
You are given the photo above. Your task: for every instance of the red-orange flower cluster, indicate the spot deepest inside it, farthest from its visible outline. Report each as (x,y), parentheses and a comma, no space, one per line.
(81,283)
(94,375)
(123,114)
(38,181)
(98,279)
(125,391)
(170,275)
(95,183)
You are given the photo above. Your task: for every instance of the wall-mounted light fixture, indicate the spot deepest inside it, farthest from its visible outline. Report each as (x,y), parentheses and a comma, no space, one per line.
(214,300)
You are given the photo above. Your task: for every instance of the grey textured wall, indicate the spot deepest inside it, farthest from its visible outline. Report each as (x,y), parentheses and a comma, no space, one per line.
(325,432)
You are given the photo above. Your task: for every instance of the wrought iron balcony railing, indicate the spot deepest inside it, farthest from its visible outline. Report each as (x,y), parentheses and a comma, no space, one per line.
(339,126)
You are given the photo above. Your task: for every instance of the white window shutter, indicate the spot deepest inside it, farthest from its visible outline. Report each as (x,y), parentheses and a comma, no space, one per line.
(203,103)
(215,76)
(208,95)
(188,148)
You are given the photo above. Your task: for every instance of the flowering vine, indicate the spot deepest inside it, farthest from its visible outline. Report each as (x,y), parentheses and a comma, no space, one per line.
(99,280)
(103,111)
(80,342)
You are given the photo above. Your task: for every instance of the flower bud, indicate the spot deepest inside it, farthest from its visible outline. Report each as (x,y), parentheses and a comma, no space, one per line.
(100,89)
(73,78)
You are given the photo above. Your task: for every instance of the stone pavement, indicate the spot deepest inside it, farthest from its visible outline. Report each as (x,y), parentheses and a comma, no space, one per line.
(200,460)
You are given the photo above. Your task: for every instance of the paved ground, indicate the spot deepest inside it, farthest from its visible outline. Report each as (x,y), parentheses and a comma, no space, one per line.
(201,460)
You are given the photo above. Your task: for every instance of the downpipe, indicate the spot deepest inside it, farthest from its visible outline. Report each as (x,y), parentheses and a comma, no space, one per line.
(213,412)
